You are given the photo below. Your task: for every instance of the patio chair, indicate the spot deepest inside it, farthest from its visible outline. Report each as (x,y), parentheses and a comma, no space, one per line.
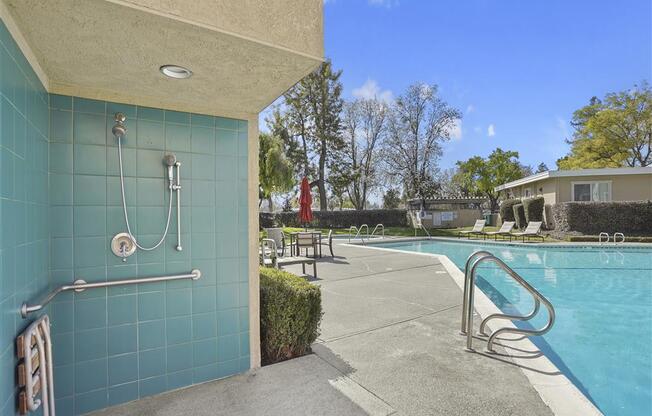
(476,230)
(269,258)
(532,230)
(505,230)
(278,236)
(327,241)
(306,240)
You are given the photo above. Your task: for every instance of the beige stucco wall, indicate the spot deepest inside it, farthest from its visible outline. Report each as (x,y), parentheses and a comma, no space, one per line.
(254,282)
(464,218)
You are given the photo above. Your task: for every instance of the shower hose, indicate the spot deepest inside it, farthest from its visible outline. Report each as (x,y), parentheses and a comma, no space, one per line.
(124,207)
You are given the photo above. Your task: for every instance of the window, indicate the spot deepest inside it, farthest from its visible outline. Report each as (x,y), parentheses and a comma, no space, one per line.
(527,192)
(591,191)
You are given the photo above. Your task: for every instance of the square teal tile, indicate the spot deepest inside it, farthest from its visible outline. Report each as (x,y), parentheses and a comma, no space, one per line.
(149,163)
(226,169)
(90,251)
(90,313)
(127,109)
(61,253)
(204,326)
(204,299)
(63,381)
(227,296)
(177,117)
(123,393)
(123,369)
(228,322)
(90,344)
(178,330)
(122,309)
(89,129)
(151,363)
(205,373)
(228,347)
(226,123)
(204,352)
(203,167)
(202,140)
(61,126)
(89,190)
(61,186)
(151,192)
(89,159)
(151,306)
(178,302)
(202,120)
(151,386)
(226,143)
(243,125)
(60,102)
(90,375)
(62,317)
(151,134)
(228,368)
(203,193)
(151,334)
(93,400)
(179,379)
(61,157)
(151,220)
(177,137)
(61,221)
(244,344)
(203,246)
(86,105)
(89,221)
(122,339)
(148,113)
(179,357)
(63,348)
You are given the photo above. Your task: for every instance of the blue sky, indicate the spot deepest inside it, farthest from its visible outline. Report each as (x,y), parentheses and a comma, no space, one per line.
(517,69)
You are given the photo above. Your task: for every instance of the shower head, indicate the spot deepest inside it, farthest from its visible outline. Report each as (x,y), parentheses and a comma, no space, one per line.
(119,130)
(169,160)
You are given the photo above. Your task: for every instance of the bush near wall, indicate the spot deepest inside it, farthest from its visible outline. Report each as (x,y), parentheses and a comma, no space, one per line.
(533,208)
(338,219)
(633,217)
(290,313)
(507,209)
(519,215)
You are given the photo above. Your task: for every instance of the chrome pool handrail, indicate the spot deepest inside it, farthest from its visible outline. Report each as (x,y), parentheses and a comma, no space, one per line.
(602,234)
(465,303)
(382,228)
(365,226)
(619,234)
(81,285)
(468,298)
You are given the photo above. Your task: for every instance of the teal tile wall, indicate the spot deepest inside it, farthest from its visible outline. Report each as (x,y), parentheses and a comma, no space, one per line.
(24,216)
(60,206)
(120,344)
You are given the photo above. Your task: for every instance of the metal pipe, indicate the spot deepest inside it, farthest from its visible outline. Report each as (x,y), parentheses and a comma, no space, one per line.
(81,285)
(178,190)
(465,303)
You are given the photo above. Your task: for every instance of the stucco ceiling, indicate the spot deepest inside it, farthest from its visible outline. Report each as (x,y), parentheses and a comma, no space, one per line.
(112,50)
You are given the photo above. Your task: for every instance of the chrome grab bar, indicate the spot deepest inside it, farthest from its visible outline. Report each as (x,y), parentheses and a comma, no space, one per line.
(382,227)
(605,234)
(619,234)
(467,305)
(354,228)
(81,285)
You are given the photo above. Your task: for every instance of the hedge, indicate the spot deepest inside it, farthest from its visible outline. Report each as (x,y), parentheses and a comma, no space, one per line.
(290,313)
(519,215)
(507,210)
(338,219)
(533,208)
(634,217)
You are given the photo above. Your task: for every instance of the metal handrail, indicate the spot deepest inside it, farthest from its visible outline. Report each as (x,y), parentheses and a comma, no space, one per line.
(81,285)
(352,228)
(470,285)
(465,303)
(607,234)
(360,230)
(382,227)
(619,234)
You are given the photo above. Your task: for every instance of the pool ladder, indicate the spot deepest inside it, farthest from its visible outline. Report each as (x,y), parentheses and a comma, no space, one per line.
(604,234)
(470,269)
(357,231)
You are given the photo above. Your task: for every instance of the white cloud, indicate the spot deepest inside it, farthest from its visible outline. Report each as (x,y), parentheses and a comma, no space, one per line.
(455,130)
(370,89)
(383,3)
(470,108)
(491,130)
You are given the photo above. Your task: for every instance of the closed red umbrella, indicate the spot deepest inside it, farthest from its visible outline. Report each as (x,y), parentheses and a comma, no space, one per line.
(305,202)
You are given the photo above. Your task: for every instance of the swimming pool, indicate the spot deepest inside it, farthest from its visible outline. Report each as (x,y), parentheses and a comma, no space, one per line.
(602,337)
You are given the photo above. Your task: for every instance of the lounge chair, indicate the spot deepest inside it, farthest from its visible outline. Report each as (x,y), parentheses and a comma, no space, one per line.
(278,236)
(327,241)
(505,230)
(269,258)
(476,230)
(532,230)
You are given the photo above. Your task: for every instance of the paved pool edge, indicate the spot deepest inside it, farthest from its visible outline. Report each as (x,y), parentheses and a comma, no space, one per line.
(554,388)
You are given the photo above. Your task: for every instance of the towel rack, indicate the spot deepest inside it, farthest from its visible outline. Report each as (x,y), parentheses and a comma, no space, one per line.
(81,285)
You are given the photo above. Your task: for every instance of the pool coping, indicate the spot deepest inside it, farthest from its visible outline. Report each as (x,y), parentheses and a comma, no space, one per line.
(554,388)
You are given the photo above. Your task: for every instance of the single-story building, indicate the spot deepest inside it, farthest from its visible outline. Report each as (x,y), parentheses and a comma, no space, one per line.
(607,184)
(447,212)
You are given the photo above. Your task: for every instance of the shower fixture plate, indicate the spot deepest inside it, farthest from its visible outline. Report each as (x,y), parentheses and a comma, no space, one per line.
(122,245)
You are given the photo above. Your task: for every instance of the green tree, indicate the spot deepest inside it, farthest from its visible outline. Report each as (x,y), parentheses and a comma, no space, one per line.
(542,167)
(274,170)
(613,132)
(480,176)
(391,199)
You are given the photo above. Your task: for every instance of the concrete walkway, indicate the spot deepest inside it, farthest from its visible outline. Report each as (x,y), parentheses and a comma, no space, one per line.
(389,345)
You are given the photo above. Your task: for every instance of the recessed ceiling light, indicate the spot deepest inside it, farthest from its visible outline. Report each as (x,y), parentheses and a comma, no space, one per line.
(175,71)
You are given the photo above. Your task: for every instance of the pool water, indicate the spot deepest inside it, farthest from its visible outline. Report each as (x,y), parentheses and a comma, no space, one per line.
(602,336)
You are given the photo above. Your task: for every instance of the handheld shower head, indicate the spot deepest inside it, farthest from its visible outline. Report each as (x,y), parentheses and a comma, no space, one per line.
(169,160)
(119,130)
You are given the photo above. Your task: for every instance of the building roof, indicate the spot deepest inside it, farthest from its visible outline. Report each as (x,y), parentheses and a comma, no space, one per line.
(448,200)
(576,173)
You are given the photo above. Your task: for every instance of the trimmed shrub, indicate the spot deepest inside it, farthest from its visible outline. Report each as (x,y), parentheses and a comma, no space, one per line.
(633,217)
(338,219)
(519,215)
(507,210)
(533,208)
(290,313)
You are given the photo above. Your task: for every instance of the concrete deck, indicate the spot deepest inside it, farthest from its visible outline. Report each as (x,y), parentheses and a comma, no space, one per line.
(389,345)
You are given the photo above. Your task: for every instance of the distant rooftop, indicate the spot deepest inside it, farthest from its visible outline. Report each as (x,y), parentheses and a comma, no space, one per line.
(572,173)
